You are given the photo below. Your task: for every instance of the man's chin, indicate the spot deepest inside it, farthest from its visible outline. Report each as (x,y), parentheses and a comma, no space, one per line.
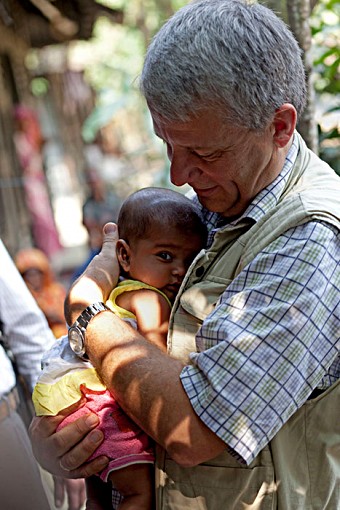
(218,206)
(213,205)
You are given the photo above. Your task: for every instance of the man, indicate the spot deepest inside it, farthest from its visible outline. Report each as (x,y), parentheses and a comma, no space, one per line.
(27,335)
(243,407)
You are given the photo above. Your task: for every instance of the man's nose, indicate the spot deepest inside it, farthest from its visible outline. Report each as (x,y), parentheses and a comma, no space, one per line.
(181,168)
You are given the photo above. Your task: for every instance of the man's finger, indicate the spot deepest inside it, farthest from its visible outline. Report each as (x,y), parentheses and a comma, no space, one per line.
(110,231)
(59,491)
(72,459)
(90,468)
(43,427)
(76,493)
(110,238)
(59,445)
(73,433)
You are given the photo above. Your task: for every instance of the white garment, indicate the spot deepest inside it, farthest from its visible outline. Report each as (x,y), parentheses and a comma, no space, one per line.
(24,325)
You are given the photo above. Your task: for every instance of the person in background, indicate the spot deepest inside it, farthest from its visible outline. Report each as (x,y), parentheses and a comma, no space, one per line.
(29,143)
(99,207)
(161,233)
(26,335)
(36,270)
(245,411)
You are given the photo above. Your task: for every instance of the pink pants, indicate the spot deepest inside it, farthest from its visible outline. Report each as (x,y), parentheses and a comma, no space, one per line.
(124,442)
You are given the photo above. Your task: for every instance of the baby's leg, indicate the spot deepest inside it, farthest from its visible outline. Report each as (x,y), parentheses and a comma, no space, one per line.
(98,494)
(135,484)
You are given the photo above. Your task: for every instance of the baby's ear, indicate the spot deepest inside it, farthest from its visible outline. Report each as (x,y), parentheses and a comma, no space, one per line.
(123,254)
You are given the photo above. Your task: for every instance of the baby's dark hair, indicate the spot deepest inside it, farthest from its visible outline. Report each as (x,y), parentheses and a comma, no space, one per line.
(149,206)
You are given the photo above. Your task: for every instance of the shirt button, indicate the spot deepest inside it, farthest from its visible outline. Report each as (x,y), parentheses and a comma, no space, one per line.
(200,271)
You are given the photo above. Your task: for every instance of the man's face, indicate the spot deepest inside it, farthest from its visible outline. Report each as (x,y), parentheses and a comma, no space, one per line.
(227,166)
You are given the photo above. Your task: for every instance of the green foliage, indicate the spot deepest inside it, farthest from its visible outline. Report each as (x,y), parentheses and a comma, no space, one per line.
(325,25)
(39,86)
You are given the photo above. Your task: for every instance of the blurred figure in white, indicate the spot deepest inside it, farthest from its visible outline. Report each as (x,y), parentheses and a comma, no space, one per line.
(25,336)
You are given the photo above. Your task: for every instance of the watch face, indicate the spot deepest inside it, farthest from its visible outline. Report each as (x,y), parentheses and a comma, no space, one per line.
(76,333)
(76,340)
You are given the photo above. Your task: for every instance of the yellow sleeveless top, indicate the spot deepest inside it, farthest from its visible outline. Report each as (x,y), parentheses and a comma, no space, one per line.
(127,286)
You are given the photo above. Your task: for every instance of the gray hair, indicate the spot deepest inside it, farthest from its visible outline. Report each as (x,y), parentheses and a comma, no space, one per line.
(237,58)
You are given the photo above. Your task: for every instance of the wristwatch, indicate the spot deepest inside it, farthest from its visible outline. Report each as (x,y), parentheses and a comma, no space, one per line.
(76,333)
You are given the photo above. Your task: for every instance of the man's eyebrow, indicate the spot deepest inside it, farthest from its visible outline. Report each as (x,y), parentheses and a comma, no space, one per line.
(193,147)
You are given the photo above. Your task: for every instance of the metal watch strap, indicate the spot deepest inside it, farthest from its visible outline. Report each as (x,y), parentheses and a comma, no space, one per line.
(90,312)
(76,333)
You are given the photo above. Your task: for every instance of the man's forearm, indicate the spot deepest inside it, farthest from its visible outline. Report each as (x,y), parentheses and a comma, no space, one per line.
(146,383)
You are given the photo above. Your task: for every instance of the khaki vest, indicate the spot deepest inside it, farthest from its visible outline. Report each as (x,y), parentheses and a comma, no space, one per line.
(300,468)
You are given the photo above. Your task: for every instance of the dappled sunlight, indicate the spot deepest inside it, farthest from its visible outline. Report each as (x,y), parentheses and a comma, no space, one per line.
(333,455)
(265,489)
(301,490)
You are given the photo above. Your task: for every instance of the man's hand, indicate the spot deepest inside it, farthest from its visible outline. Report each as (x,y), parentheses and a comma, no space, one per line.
(64,453)
(74,489)
(98,279)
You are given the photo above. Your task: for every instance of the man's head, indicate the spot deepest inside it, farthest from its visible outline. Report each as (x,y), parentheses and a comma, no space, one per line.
(236,58)
(160,233)
(224,82)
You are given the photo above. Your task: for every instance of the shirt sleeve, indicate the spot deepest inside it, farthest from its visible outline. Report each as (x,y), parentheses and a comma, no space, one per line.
(24,325)
(270,341)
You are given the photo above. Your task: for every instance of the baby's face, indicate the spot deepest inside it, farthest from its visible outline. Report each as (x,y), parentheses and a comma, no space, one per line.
(162,259)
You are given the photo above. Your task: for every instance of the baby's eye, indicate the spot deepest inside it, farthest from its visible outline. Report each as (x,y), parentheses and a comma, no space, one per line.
(164,256)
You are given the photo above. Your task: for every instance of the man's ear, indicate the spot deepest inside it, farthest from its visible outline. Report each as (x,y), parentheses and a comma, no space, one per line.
(123,254)
(284,124)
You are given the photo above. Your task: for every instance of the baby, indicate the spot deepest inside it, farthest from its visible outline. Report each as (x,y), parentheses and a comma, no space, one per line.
(161,231)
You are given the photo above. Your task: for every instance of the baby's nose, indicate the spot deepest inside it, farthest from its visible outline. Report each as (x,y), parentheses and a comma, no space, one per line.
(179,269)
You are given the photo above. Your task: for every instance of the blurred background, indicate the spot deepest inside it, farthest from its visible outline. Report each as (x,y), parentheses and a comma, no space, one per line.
(75,134)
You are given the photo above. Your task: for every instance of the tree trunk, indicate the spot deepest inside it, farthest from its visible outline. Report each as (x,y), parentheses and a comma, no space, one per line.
(298,18)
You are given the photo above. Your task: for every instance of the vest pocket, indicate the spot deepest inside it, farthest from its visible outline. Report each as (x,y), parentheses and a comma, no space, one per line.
(200,299)
(217,487)
(195,304)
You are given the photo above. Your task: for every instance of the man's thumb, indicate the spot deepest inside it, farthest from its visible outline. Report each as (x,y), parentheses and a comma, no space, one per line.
(110,232)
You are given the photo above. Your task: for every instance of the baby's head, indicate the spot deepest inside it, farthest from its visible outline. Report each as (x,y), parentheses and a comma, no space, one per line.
(160,233)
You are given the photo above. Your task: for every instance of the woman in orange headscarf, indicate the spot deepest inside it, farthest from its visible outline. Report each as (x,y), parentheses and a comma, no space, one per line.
(36,270)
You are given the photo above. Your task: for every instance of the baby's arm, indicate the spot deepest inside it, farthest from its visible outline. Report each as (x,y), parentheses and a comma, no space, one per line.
(152,312)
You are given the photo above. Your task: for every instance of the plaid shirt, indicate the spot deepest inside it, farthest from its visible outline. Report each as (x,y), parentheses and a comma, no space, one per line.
(274,334)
